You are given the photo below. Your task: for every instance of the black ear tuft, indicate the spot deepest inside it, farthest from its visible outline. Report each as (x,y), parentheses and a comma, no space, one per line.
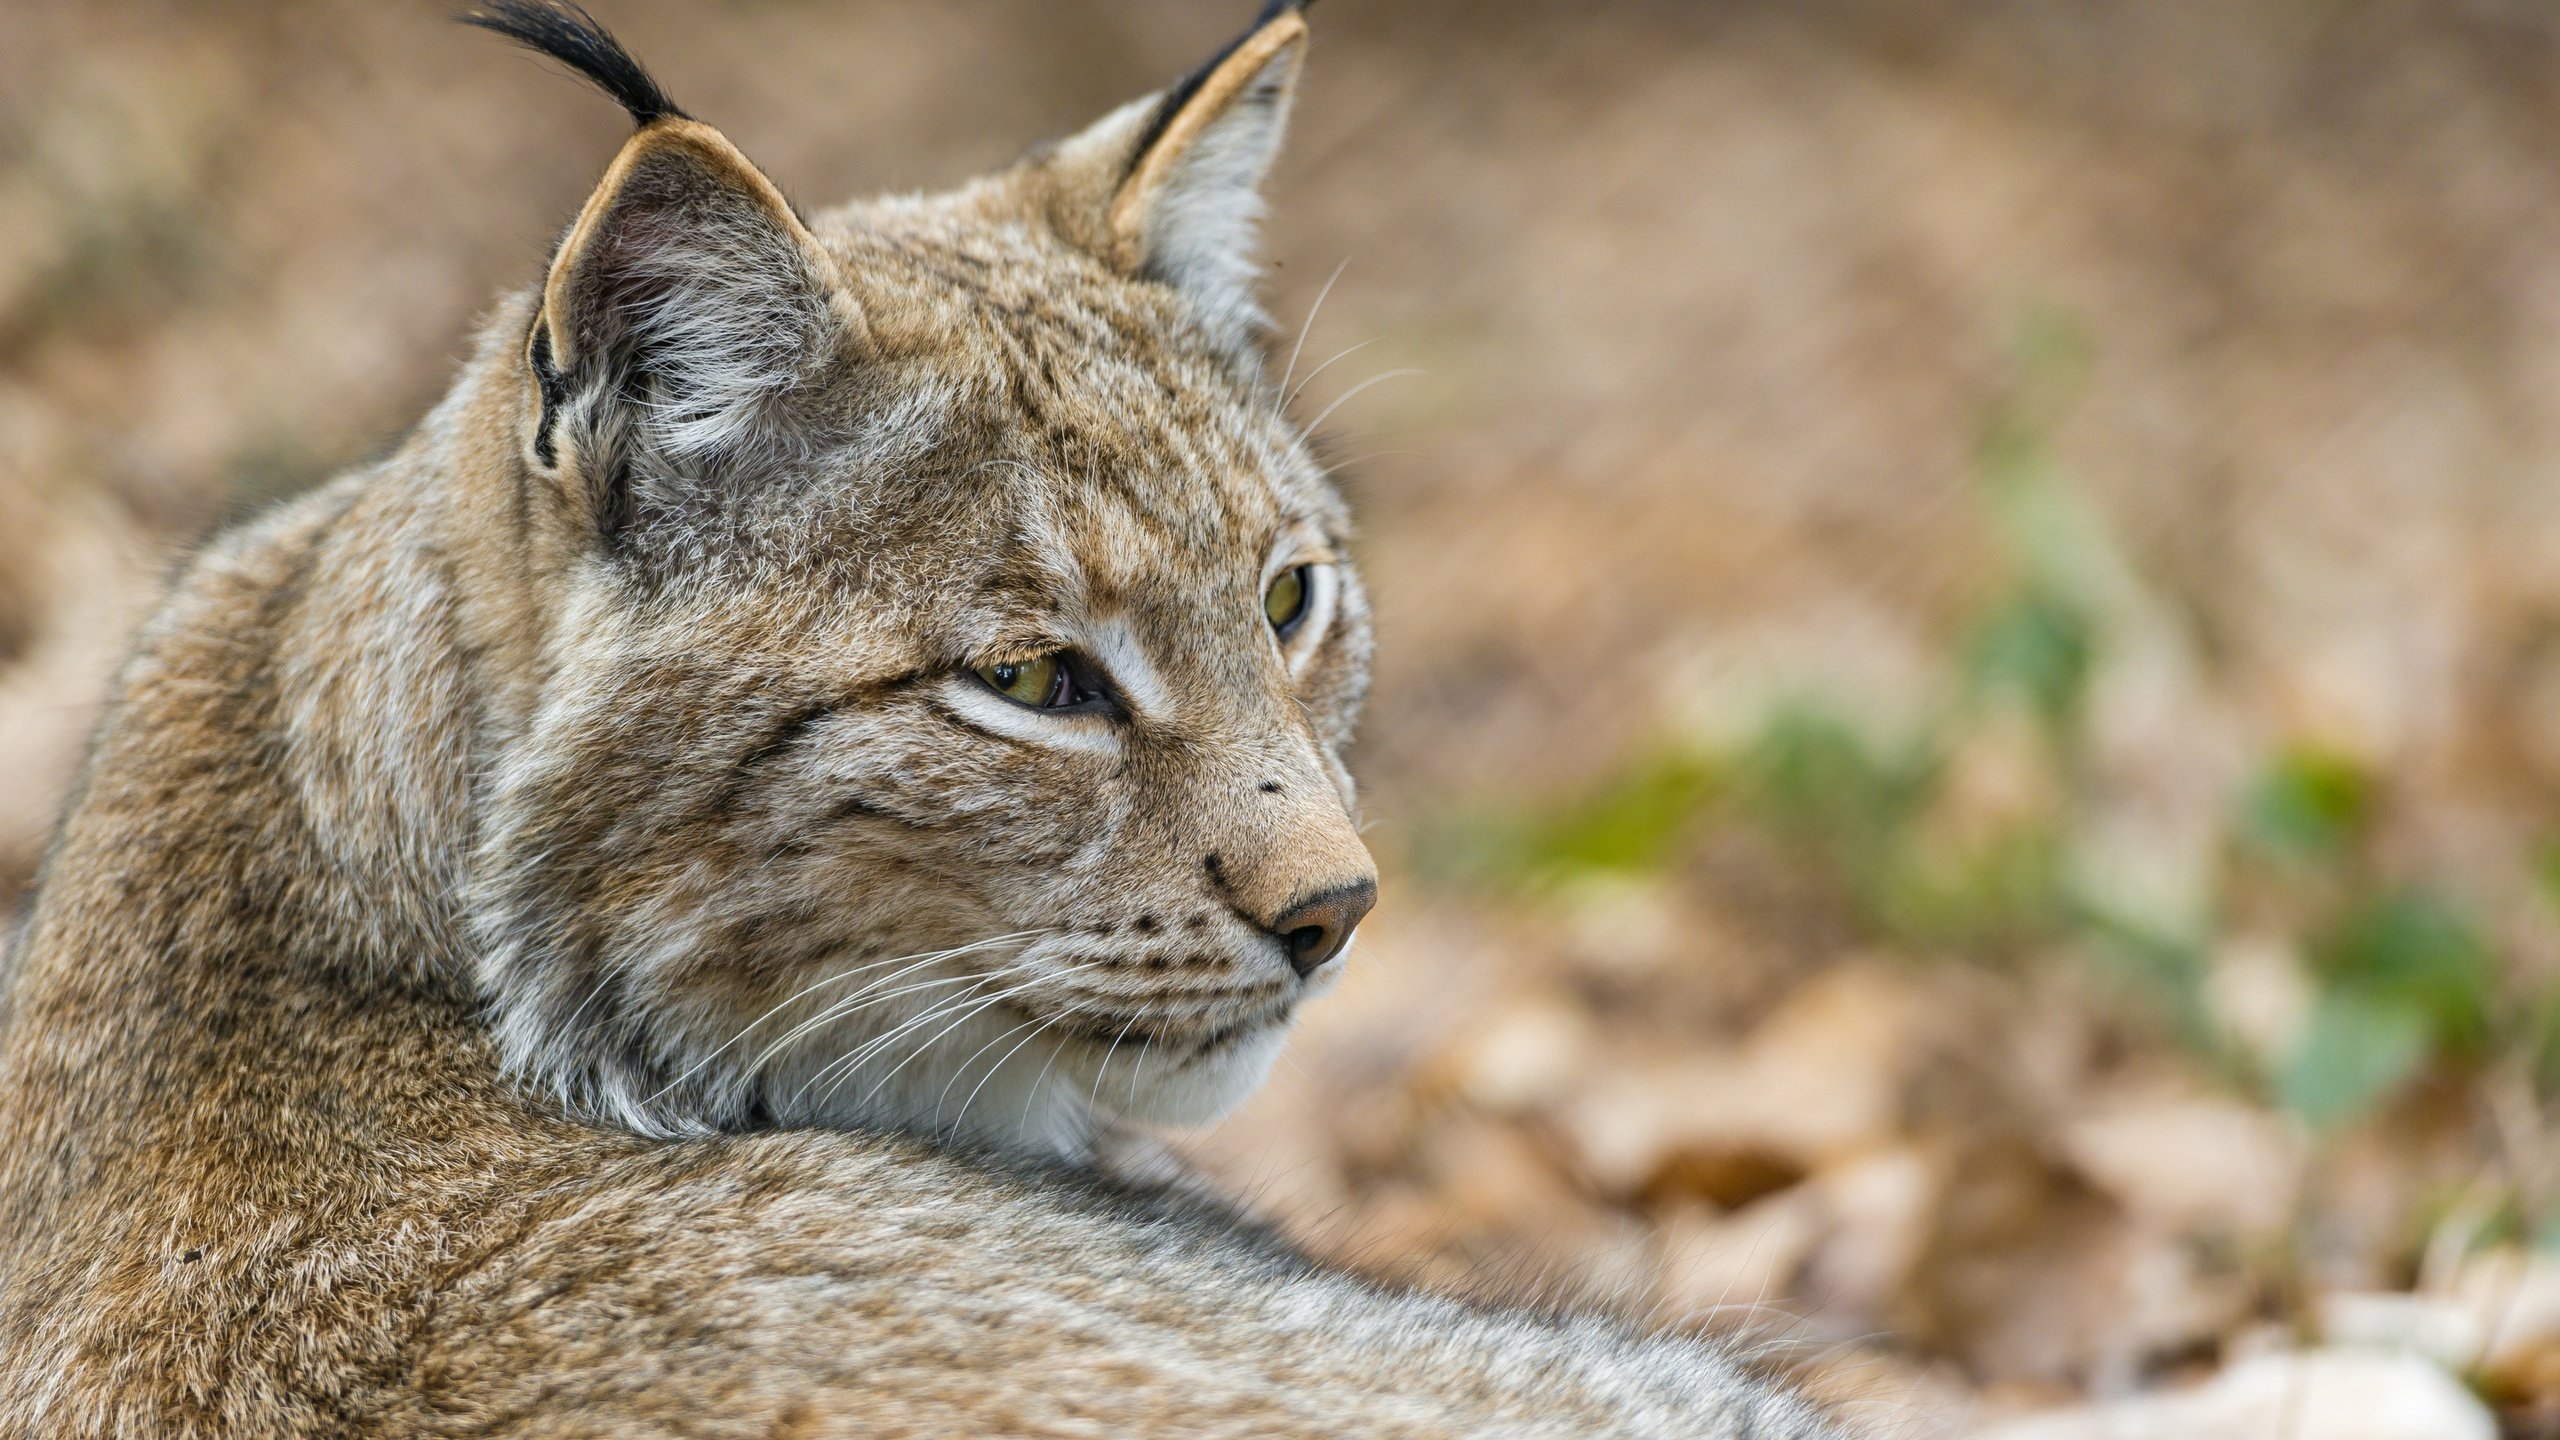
(564,31)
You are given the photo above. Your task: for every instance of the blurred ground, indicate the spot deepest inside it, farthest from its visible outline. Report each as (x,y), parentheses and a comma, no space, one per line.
(1968,739)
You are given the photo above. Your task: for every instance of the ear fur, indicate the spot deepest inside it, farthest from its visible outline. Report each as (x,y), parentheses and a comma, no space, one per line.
(685,304)
(1179,177)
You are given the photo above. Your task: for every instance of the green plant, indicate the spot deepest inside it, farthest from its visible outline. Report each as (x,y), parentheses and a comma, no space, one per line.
(2401,976)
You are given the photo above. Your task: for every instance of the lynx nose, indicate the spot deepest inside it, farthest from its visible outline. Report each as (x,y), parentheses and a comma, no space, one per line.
(1316,929)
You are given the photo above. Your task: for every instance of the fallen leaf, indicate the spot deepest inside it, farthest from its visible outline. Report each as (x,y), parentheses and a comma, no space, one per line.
(2194,1165)
(2321,1395)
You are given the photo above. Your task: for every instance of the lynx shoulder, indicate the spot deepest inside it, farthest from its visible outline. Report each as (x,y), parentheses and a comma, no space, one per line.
(632,915)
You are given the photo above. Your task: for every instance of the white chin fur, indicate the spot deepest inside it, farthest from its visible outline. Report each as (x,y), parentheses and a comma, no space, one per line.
(1042,1097)
(1202,1090)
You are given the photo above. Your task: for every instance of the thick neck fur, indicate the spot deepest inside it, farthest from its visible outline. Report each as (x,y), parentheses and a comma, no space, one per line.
(281,797)
(306,725)
(390,660)
(255,897)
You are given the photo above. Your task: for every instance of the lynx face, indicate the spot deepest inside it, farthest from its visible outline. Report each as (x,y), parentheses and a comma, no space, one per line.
(943,709)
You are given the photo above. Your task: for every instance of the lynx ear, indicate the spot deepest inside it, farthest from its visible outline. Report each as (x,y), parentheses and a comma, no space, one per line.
(686,304)
(1180,175)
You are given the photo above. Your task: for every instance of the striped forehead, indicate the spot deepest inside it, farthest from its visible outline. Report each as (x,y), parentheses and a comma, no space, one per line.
(1144,463)
(1146,526)
(1073,350)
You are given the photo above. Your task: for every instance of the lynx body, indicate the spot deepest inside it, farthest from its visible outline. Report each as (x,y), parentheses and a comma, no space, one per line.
(632,916)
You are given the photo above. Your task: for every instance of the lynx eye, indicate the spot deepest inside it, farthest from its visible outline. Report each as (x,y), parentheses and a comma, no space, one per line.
(1042,684)
(1285,603)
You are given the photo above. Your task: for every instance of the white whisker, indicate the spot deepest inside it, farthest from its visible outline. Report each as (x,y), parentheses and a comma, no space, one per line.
(920,959)
(852,1059)
(1347,396)
(1310,323)
(1346,353)
(974,1008)
(1094,1096)
(1135,1071)
(962,1118)
(863,999)
(1042,1079)
(963,1068)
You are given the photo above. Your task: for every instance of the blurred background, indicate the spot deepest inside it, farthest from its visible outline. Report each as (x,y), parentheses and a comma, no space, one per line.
(1967,746)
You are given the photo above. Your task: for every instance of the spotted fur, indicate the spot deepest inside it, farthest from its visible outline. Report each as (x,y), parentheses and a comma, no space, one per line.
(537,902)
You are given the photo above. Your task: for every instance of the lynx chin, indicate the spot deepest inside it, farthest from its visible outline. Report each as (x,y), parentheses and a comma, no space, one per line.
(639,913)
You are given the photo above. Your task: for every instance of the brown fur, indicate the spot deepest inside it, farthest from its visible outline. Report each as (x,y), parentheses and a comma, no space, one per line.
(424,1023)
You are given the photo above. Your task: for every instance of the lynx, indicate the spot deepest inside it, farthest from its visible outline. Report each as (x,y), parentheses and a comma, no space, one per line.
(638,913)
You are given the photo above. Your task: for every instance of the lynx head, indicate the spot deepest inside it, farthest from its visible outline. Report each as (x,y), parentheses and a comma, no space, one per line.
(949,646)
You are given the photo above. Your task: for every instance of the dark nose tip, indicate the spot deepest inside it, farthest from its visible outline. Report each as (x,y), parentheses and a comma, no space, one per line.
(1316,929)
